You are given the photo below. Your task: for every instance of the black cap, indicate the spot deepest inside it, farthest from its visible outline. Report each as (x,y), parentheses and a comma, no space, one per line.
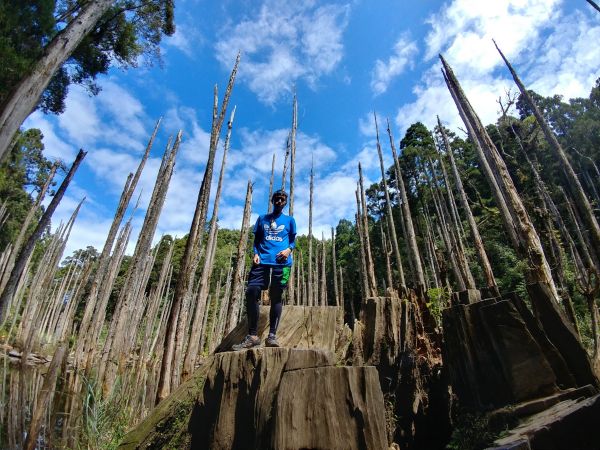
(279,193)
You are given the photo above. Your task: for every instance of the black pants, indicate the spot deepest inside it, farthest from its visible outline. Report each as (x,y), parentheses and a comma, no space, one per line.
(274,278)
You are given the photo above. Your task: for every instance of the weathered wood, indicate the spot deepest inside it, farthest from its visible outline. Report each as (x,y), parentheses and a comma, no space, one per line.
(24,98)
(462,196)
(390,216)
(372,283)
(192,249)
(575,185)
(9,290)
(411,239)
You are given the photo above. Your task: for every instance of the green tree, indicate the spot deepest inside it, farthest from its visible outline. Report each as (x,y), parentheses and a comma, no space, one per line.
(22,175)
(51,44)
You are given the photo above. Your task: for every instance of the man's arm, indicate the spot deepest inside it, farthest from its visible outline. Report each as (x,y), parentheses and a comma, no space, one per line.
(258,236)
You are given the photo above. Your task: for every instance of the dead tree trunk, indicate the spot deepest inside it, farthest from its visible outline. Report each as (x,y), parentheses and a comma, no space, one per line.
(411,239)
(573,180)
(270,205)
(94,308)
(541,287)
(311,299)
(15,275)
(518,223)
(334,270)
(370,274)
(16,247)
(194,336)
(118,344)
(23,99)
(192,248)
(462,196)
(323,283)
(239,262)
(390,216)
(291,290)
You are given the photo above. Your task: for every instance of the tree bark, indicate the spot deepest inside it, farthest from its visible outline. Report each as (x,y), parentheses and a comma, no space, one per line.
(528,242)
(411,238)
(239,262)
(390,216)
(462,196)
(23,99)
(574,184)
(372,283)
(192,247)
(11,284)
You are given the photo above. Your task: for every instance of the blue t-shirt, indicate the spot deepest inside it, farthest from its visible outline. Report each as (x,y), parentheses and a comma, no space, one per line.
(273,234)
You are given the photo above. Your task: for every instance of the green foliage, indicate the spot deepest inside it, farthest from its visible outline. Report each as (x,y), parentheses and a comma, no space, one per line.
(129,30)
(439,298)
(471,432)
(105,420)
(24,169)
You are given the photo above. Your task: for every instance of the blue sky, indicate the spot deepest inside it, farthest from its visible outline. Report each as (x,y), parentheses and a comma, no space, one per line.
(345,59)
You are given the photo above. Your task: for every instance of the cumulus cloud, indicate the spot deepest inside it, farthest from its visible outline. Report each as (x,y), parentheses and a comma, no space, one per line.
(384,72)
(284,42)
(553,52)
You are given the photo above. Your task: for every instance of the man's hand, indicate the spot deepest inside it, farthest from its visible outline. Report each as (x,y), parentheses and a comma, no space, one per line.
(256,260)
(283,255)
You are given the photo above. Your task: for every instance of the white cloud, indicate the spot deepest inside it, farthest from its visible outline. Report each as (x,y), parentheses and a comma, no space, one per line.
(54,146)
(284,42)
(403,56)
(463,29)
(553,53)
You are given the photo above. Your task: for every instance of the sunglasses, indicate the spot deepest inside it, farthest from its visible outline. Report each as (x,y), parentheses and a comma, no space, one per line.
(279,199)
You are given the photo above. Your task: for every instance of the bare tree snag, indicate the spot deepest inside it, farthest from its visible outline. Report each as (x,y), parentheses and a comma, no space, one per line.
(192,248)
(372,283)
(270,205)
(574,184)
(528,244)
(334,270)
(239,262)
(411,238)
(194,335)
(291,290)
(20,262)
(23,99)
(390,216)
(311,280)
(462,196)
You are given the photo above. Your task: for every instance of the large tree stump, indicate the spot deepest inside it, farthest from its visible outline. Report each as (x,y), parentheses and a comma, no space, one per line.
(497,354)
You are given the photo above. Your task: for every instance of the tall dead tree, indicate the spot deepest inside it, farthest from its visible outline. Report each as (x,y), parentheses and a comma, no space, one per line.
(516,219)
(269,204)
(16,246)
(119,341)
(189,260)
(594,5)
(94,306)
(26,95)
(575,186)
(21,260)
(194,336)
(293,296)
(311,280)
(370,266)
(462,196)
(334,270)
(239,263)
(411,238)
(541,287)
(390,216)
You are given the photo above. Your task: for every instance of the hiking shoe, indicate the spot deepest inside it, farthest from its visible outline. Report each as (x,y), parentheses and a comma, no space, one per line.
(272,341)
(248,342)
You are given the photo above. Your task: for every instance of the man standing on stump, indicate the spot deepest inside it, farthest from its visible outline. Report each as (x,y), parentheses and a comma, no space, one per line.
(274,240)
